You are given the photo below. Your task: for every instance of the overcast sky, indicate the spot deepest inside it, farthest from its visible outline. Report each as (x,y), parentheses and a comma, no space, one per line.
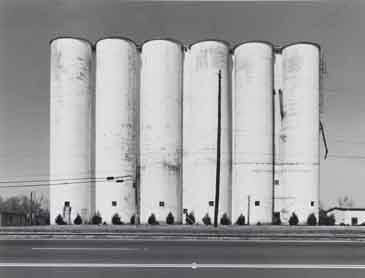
(26,26)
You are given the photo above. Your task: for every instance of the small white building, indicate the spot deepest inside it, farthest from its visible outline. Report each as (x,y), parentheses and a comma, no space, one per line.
(348,216)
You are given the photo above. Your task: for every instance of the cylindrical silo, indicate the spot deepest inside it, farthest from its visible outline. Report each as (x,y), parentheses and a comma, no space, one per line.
(161,129)
(204,61)
(279,191)
(252,190)
(70,127)
(300,129)
(117,71)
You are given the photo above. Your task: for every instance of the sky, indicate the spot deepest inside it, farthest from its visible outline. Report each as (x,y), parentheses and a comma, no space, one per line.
(27,26)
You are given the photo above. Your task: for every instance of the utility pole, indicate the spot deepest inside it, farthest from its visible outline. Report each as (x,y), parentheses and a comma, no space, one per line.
(31,208)
(248,209)
(217,180)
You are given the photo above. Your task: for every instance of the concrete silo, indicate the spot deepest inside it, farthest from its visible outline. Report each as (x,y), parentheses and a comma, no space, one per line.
(252,189)
(117,71)
(300,129)
(161,129)
(70,127)
(279,192)
(204,61)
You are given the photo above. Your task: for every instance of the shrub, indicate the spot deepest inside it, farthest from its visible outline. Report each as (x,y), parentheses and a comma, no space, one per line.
(225,220)
(170,218)
(59,220)
(276,220)
(78,220)
(311,220)
(206,220)
(96,219)
(190,218)
(133,220)
(116,220)
(331,220)
(293,220)
(152,220)
(324,219)
(241,220)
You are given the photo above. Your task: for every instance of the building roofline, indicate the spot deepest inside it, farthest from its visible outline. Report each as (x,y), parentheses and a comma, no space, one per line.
(344,209)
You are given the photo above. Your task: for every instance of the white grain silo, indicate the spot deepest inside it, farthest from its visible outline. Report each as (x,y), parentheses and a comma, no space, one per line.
(204,61)
(300,129)
(252,189)
(161,129)
(117,71)
(70,127)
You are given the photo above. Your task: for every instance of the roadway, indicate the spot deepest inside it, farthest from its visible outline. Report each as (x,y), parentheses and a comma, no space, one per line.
(184,258)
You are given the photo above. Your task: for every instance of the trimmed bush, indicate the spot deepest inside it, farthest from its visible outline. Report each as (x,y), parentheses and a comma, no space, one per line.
(311,220)
(78,220)
(331,220)
(293,220)
(225,220)
(190,218)
(324,219)
(59,220)
(96,219)
(170,219)
(116,220)
(241,220)
(133,220)
(206,220)
(152,220)
(276,220)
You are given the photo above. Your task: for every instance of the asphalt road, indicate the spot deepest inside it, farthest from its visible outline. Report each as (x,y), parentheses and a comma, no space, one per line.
(121,258)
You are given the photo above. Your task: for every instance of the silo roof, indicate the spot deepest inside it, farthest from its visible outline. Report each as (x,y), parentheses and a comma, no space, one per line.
(210,40)
(71,38)
(254,41)
(117,38)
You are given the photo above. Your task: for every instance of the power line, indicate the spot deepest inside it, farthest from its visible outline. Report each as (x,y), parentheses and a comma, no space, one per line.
(65,179)
(62,183)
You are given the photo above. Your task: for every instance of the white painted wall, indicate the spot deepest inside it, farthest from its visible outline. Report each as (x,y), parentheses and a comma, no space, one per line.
(346,216)
(117,71)
(161,129)
(202,64)
(300,130)
(70,125)
(253,132)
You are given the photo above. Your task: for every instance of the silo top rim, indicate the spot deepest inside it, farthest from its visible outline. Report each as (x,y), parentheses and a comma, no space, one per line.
(164,39)
(70,38)
(210,40)
(116,38)
(247,42)
(301,42)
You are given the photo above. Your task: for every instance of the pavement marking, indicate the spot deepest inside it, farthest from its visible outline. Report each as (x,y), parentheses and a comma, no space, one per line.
(90,248)
(193,266)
